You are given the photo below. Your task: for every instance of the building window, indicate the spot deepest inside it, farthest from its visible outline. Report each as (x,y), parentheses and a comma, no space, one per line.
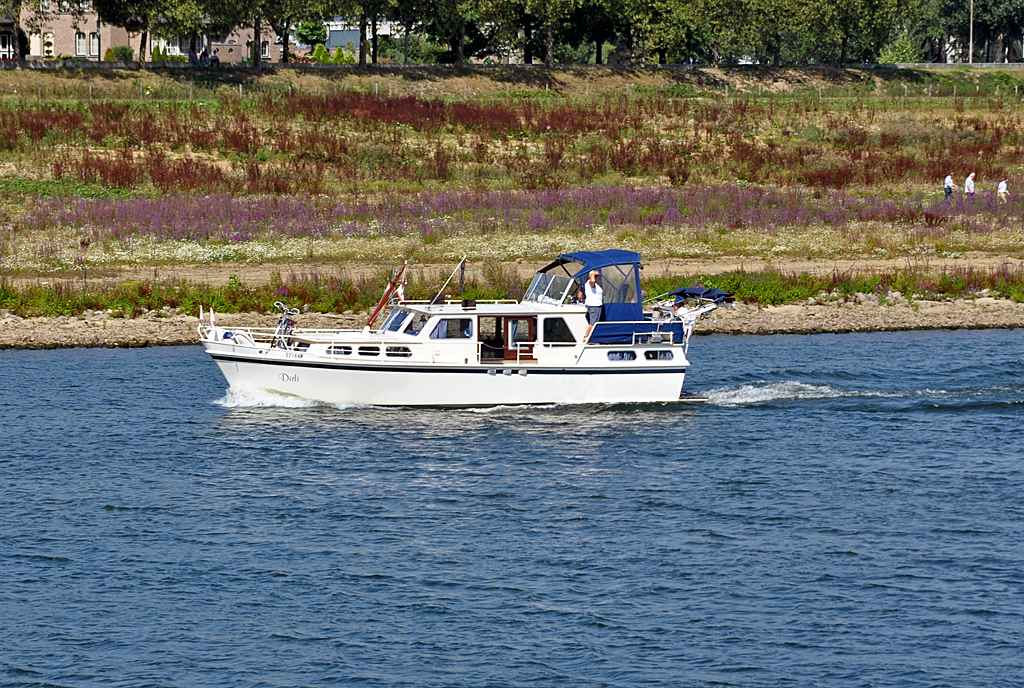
(79,43)
(265,49)
(44,6)
(94,44)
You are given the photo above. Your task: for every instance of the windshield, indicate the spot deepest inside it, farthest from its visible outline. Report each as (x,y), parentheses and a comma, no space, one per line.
(547,288)
(395,321)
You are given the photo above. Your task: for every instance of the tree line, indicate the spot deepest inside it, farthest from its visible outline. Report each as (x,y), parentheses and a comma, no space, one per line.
(768,32)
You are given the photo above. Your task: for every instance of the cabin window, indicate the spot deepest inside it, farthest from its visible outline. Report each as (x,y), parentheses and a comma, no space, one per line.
(369,351)
(557,332)
(337,350)
(417,324)
(302,346)
(453,328)
(621,356)
(400,351)
(659,355)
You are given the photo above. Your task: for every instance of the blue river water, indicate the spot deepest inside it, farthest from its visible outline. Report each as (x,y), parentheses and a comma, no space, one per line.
(848,510)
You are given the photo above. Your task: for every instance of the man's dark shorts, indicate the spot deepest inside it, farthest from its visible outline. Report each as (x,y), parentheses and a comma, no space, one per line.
(593,315)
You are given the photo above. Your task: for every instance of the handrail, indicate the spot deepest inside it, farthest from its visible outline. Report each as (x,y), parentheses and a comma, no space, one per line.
(668,338)
(428,302)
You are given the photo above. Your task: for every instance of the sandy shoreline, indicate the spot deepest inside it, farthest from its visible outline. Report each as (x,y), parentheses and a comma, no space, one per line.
(836,316)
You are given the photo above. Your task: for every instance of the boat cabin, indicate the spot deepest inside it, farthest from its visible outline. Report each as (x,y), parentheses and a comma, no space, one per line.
(551,317)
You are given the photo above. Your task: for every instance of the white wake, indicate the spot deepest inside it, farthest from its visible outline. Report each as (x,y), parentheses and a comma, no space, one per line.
(777,391)
(250,397)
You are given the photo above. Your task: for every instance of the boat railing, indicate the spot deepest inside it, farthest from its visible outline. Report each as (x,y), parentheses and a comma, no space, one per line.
(654,337)
(427,304)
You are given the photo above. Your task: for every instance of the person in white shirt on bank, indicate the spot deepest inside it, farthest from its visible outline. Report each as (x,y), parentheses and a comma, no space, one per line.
(969,185)
(948,186)
(1002,191)
(594,301)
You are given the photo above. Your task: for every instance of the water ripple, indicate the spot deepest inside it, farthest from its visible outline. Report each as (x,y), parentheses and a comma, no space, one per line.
(844,512)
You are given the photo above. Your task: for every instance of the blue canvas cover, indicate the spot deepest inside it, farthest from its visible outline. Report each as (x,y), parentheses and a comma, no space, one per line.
(622,333)
(595,260)
(624,305)
(684,293)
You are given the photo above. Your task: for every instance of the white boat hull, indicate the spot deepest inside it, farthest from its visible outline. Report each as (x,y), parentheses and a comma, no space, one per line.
(409,384)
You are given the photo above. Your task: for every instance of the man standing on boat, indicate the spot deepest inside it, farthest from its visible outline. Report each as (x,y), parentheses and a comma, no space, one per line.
(594,301)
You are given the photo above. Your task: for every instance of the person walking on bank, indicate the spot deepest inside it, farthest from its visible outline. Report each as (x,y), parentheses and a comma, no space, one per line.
(594,301)
(1002,192)
(948,186)
(969,186)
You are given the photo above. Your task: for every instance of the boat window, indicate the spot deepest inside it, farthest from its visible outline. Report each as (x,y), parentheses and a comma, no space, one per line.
(395,321)
(338,350)
(417,324)
(619,284)
(659,355)
(369,351)
(401,351)
(621,356)
(547,288)
(557,332)
(302,346)
(453,328)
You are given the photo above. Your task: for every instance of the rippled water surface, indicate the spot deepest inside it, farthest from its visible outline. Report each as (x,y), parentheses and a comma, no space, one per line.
(847,511)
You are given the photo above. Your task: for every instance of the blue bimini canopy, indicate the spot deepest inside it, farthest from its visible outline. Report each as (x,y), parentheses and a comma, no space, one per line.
(620,280)
(717,295)
(596,260)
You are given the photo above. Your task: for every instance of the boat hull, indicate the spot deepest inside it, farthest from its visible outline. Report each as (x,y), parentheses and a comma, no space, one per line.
(458,385)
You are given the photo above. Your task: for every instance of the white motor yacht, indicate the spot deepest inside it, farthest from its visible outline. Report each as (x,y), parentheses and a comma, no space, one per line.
(446,352)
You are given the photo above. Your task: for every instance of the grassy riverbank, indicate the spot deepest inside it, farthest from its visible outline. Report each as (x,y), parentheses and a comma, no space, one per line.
(338,293)
(107,174)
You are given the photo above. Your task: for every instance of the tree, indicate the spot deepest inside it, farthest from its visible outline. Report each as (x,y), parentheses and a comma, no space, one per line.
(311,32)
(870,24)
(549,13)
(456,23)
(408,13)
(285,13)
(144,16)
(705,29)
(227,15)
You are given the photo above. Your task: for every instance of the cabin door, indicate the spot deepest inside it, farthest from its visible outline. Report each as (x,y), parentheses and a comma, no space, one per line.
(490,334)
(520,336)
